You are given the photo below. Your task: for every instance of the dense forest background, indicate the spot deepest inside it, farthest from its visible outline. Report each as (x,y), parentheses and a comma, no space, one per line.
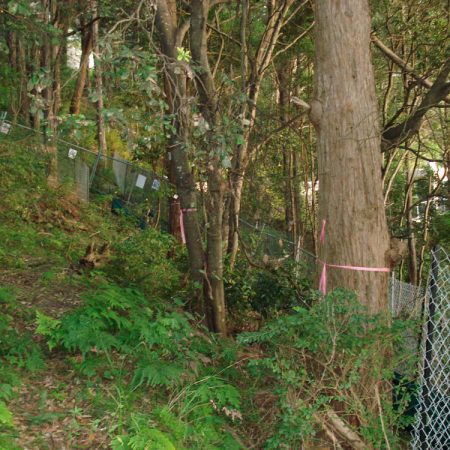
(278,131)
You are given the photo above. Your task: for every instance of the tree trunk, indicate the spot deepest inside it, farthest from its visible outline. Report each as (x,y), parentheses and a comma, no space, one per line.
(48,61)
(86,49)
(215,195)
(290,159)
(297,237)
(276,12)
(12,40)
(34,67)
(180,169)
(23,70)
(101,134)
(345,114)
(412,252)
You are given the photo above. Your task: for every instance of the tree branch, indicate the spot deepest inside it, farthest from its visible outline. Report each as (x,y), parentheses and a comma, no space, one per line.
(395,135)
(424,81)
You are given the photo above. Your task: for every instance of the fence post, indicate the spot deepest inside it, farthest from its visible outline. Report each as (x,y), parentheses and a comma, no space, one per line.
(94,168)
(429,339)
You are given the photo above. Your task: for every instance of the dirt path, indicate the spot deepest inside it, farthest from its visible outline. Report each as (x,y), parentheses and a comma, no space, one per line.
(52,408)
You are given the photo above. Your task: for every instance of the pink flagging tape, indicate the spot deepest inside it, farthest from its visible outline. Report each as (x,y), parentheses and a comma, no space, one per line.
(323,275)
(184,210)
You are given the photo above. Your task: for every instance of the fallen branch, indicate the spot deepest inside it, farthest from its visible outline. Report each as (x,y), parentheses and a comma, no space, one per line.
(338,427)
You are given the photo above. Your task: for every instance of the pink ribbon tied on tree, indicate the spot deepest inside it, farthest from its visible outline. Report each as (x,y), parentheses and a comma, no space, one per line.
(323,275)
(184,210)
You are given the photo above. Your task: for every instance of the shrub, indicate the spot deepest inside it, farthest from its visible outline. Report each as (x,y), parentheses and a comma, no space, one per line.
(320,358)
(142,260)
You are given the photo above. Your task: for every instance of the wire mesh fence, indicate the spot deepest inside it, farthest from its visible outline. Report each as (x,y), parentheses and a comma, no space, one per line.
(262,239)
(432,426)
(133,189)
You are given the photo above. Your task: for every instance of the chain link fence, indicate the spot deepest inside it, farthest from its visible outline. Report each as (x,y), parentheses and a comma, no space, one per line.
(132,189)
(432,425)
(430,304)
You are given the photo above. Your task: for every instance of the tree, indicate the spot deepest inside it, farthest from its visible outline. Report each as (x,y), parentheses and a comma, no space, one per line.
(345,114)
(171,35)
(215,196)
(101,132)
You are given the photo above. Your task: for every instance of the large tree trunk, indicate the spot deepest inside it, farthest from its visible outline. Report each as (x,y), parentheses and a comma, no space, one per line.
(345,114)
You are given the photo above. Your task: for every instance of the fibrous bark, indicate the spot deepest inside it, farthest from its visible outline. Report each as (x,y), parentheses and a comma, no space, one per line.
(345,114)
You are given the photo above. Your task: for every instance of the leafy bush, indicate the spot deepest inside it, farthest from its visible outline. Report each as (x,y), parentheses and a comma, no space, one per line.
(264,291)
(196,418)
(122,337)
(321,358)
(142,260)
(116,319)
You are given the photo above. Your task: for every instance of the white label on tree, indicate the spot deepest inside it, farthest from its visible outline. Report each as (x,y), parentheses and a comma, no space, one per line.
(72,153)
(156,184)
(140,182)
(5,127)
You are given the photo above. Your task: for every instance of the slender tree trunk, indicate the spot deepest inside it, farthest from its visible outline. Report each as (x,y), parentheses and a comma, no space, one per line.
(34,67)
(23,70)
(101,133)
(12,42)
(48,61)
(412,252)
(345,115)
(180,169)
(276,11)
(86,43)
(296,201)
(215,194)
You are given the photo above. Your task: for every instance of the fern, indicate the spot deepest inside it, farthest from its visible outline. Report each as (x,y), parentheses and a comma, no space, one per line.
(7,296)
(143,435)
(6,417)
(46,326)
(156,372)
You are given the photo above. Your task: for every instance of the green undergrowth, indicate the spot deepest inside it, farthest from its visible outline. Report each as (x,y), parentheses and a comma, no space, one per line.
(142,365)
(127,368)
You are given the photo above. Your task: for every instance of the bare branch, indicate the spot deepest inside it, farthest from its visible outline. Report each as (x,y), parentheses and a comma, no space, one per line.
(424,81)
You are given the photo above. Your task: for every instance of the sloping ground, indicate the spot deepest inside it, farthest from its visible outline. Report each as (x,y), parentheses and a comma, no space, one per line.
(40,233)
(99,357)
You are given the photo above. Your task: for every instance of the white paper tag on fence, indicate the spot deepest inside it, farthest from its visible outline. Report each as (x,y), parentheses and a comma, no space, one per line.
(5,128)
(140,182)
(156,184)
(72,153)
